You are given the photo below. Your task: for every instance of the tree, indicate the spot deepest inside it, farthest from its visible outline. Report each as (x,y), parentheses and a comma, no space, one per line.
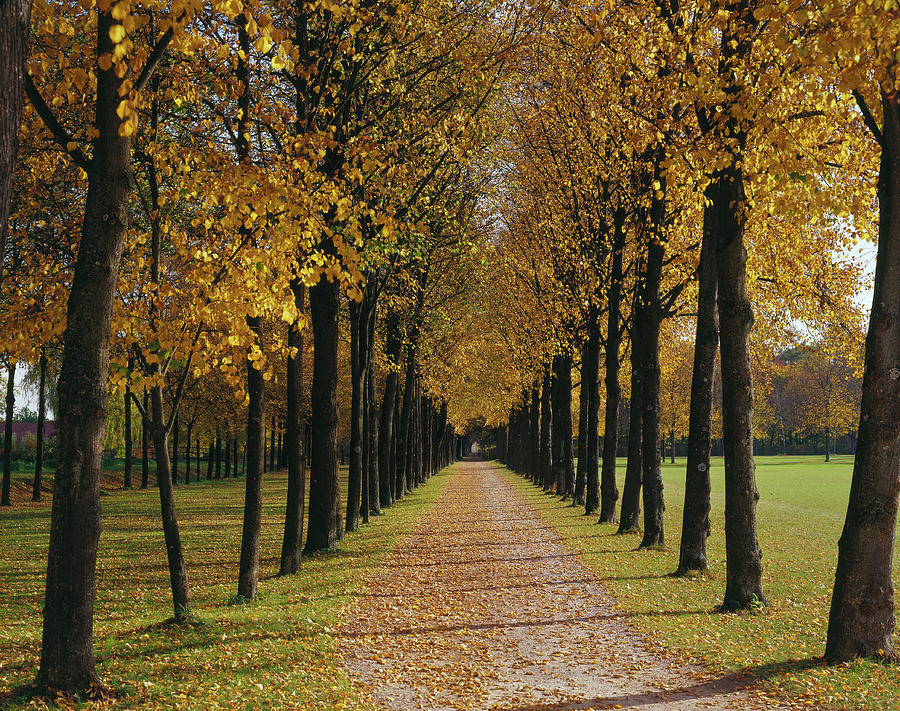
(5,499)
(15,19)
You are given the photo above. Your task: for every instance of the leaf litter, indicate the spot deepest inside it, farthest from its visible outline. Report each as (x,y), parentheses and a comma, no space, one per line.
(483,607)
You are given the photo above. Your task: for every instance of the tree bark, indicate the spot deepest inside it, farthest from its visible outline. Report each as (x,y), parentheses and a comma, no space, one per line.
(325,526)
(566,469)
(210,459)
(630,514)
(546,455)
(5,499)
(218,454)
(67,657)
(181,599)
(175,431)
(128,435)
(609,493)
(649,324)
(358,336)
(248,573)
(395,466)
(404,450)
(861,621)
(273,444)
(42,415)
(743,555)
(227,457)
(580,472)
(374,477)
(534,436)
(590,378)
(387,433)
(145,445)
(187,454)
(695,527)
(15,20)
(291,549)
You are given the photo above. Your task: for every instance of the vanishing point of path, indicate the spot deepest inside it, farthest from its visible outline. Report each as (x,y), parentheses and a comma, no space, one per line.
(483,607)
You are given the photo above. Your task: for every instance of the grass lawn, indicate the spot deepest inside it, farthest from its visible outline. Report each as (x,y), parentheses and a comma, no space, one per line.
(273,653)
(800,515)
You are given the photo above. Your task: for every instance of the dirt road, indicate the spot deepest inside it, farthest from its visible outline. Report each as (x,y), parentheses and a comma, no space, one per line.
(483,607)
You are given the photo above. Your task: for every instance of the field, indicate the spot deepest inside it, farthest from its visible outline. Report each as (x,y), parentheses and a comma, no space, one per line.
(278,652)
(800,514)
(273,653)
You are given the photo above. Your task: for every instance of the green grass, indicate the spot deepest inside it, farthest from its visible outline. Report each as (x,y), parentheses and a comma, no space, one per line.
(800,515)
(276,652)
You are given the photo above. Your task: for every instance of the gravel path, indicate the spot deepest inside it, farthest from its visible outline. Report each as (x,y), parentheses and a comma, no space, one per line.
(483,607)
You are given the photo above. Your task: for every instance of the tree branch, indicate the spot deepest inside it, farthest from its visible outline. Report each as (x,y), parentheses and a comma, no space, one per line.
(156,55)
(868,117)
(60,135)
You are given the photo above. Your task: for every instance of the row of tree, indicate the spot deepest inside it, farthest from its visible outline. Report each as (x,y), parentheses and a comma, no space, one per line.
(509,200)
(670,162)
(196,187)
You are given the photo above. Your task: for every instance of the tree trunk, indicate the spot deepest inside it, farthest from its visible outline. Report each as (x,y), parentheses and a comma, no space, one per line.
(248,573)
(291,550)
(609,492)
(325,528)
(580,472)
(374,477)
(365,505)
(227,457)
(210,459)
(395,449)
(630,514)
(743,555)
(695,527)
(827,445)
(358,336)
(273,444)
(67,657)
(218,455)
(590,378)
(566,469)
(414,458)
(546,455)
(187,454)
(15,20)
(387,433)
(42,415)
(128,441)
(403,443)
(534,435)
(862,620)
(145,445)
(5,499)
(181,599)
(175,430)
(648,324)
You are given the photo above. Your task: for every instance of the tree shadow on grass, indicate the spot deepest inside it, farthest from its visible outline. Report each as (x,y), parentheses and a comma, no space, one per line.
(703,690)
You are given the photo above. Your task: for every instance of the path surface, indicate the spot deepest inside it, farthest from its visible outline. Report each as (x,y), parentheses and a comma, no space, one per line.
(483,607)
